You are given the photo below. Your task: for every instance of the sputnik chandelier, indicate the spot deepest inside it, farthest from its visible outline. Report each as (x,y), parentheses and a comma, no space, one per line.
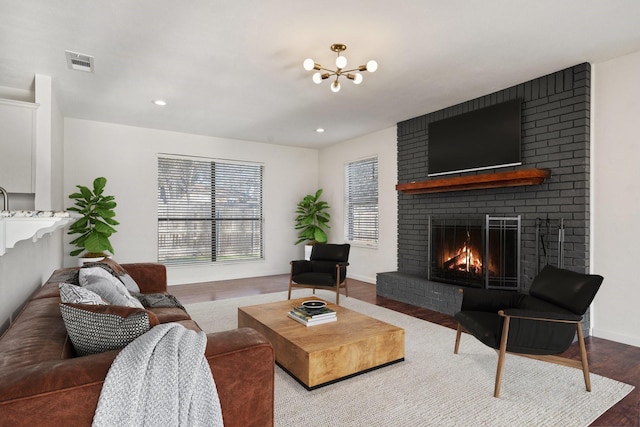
(341,62)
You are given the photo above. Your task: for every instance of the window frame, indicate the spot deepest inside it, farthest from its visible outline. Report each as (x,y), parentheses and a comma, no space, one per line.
(221,206)
(351,236)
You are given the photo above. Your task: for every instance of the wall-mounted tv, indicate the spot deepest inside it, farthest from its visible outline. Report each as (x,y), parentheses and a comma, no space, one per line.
(482,139)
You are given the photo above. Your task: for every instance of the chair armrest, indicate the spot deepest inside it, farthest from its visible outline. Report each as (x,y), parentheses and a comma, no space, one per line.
(343,264)
(489,300)
(242,363)
(151,277)
(544,316)
(300,266)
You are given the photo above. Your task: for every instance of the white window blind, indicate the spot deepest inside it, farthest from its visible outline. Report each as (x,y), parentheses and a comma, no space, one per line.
(361,201)
(208,211)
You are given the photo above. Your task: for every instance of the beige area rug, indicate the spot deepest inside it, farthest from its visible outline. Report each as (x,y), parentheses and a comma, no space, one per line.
(432,387)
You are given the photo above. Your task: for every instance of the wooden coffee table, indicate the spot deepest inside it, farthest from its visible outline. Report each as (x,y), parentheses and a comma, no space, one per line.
(322,354)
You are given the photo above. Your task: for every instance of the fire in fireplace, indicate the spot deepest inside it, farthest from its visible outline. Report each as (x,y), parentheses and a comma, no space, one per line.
(465,259)
(475,251)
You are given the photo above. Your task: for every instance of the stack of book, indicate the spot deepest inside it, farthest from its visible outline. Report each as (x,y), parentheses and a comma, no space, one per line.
(311,317)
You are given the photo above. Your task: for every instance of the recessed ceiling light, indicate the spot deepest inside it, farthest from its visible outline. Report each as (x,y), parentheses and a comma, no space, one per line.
(160,102)
(320,130)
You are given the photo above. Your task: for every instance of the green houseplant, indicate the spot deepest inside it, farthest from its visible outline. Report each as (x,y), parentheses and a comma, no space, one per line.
(95,225)
(312,219)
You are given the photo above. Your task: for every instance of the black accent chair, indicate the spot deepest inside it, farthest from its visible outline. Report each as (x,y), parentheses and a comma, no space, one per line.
(326,269)
(539,325)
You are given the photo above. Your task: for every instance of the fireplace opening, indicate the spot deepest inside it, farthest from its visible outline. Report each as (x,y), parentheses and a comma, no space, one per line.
(475,251)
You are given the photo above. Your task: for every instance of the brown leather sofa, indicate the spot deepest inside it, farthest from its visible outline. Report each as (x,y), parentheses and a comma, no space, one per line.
(42,382)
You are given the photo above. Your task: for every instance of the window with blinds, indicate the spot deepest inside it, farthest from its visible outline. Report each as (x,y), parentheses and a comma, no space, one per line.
(208,211)
(361,201)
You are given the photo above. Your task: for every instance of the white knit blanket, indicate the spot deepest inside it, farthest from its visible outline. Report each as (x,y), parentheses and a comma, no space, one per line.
(162,378)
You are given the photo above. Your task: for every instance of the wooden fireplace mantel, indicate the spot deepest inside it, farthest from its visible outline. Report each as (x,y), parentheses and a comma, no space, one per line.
(475,182)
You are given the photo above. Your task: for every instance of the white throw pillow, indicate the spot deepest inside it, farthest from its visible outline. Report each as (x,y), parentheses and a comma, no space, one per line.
(129,283)
(78,295)
(108,287)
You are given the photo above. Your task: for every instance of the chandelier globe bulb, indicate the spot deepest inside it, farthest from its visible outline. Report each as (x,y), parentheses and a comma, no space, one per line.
(335,86)
(341,61)
(308,64)
(357,78)
(372,66)
(317,78)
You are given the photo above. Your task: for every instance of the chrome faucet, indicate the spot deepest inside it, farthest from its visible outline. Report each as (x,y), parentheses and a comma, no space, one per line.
(6,198)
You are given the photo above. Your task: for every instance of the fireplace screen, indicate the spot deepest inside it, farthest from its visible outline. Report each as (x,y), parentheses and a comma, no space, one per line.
(475,251)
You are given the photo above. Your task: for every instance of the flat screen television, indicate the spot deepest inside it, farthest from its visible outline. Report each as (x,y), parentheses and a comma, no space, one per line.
(482,139)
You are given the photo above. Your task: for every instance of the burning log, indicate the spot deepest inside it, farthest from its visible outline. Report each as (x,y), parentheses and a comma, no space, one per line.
(453,262)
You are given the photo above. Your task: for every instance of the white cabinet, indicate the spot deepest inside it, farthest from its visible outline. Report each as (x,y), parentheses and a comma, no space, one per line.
(17,146)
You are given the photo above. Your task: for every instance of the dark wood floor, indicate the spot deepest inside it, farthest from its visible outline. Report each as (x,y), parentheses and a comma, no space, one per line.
(607,358)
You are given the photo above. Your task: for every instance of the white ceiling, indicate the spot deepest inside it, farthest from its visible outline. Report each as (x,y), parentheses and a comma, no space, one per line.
(233,68)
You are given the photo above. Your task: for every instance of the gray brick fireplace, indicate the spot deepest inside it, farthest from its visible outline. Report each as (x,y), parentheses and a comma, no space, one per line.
(555,137)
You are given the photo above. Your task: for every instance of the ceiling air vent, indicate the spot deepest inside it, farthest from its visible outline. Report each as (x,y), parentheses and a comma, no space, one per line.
(79,61)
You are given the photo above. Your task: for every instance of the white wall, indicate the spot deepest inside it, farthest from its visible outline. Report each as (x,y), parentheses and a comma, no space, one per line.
(58,198)
(616,198)
(49,147)
(127,157)
(364,262)
(23,269)
(26,266)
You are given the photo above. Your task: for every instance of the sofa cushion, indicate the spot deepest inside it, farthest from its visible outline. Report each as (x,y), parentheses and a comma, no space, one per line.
(107,286)
(37,335)
(169,314)
(79,295)
(316,279)
(150,277)
(48,290)
(99,328)
(67,275)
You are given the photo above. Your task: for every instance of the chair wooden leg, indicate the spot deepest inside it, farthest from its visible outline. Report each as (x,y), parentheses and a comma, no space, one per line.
(290,280)
(583,357)
(501,355)
(458,335)
(346,287)
(337,276)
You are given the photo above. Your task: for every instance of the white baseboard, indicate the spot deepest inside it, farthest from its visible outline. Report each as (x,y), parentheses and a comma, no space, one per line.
(362,278)
(612,336)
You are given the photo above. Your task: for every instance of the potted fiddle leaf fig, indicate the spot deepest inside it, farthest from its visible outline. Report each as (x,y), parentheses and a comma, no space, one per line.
(96,223)
(312,220)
